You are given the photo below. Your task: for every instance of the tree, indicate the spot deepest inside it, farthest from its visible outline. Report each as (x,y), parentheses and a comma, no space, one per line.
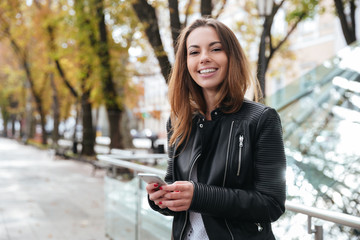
(81,89)
(12,103)
(12,13)
(345,10)
(146,14)
(296,11)
(113,107)
(92,16)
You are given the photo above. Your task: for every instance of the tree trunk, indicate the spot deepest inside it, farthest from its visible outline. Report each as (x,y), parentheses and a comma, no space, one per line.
(175,24)
(56,112)
(263,60)
(43,130)
(114,117)
(37,98)
(113,108)
(32,126)
(347,22)
(88,139)
(5,116)
(206,8)
(146,14)
(13,122)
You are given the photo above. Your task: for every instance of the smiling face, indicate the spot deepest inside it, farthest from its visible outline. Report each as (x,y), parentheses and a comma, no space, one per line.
(207,61)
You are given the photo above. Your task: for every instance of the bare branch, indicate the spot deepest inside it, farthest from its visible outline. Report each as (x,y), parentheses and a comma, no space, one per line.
(273,50)
(187,12)
(221,9)
(174,20)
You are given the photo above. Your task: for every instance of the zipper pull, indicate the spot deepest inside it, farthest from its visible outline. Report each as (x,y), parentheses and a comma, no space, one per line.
(241,140)
(260,228)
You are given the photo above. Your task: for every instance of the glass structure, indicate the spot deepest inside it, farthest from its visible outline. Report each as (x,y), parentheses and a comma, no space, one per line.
(320,113)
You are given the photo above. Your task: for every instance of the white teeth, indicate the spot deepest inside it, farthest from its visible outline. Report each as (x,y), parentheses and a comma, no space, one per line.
(208,70)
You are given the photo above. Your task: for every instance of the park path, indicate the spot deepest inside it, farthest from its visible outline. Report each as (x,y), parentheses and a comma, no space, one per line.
(43,197)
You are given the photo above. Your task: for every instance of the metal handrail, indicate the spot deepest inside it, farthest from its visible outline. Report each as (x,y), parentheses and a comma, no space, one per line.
(327,215)
(130,165)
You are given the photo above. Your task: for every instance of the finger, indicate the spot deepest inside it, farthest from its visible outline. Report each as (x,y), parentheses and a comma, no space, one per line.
(152,187)
(178,186)
(176,195)
(160,202)
(156,195)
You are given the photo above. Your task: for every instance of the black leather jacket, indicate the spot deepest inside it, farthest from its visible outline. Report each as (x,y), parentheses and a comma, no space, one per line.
(241,173)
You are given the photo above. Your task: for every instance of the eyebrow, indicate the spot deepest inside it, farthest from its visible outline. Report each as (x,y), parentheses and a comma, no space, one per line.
(211,44)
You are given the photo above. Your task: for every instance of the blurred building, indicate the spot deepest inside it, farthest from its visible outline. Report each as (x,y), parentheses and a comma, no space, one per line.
(313,42)
(153,108)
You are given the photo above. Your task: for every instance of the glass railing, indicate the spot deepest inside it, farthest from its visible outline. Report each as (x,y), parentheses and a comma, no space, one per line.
(128,215)
(127,212)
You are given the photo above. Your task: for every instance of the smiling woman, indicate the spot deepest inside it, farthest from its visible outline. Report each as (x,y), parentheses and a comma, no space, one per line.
(226,168)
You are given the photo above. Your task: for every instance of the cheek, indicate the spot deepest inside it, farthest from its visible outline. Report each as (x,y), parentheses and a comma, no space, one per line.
(190,66)
(226,61)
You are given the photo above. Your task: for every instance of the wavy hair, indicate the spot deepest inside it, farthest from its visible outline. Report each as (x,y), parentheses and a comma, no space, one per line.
(186,97)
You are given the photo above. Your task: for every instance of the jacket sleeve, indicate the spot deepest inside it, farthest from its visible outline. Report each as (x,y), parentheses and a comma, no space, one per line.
(169,173)
(265,202)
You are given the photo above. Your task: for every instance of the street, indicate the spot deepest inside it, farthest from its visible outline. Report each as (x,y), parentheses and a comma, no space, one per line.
(45,197)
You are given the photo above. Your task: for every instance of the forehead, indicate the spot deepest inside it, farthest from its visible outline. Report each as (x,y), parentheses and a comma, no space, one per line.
(202,36)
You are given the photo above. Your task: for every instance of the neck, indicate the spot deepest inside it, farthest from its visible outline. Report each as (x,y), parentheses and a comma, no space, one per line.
(210,101)
(210,105)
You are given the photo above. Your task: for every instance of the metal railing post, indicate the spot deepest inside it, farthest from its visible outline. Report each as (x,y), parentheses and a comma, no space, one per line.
(318,230)
(138,209)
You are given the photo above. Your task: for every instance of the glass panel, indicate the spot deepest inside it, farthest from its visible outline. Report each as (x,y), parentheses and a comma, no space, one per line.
(122,199)
(120,208)
(321,130)
(154,226)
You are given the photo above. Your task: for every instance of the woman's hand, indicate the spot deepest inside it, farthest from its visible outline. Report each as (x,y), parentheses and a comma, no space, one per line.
(177,197)
(155,194)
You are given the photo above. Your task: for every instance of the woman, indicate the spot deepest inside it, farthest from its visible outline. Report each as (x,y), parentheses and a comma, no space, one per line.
(226,170)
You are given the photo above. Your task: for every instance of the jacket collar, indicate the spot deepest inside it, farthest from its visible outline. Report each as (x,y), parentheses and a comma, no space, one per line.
(215,114)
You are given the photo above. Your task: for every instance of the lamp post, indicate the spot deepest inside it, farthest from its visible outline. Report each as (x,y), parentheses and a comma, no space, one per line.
(265,8)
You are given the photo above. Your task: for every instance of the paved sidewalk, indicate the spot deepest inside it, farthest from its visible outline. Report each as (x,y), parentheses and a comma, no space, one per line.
(44,197)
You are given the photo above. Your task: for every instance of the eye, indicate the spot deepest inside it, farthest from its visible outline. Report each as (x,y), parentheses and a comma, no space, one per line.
(217,49)
(193,52)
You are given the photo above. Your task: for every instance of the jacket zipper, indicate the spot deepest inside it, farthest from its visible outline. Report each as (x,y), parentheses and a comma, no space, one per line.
(241,144)
(226,164)
(187,212)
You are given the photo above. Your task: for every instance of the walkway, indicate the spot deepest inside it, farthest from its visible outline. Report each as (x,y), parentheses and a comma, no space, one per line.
(42,197)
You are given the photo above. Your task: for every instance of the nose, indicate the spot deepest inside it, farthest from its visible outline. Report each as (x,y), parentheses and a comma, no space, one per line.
(204,57)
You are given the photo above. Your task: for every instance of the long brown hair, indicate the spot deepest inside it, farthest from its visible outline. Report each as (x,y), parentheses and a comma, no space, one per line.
(186,97)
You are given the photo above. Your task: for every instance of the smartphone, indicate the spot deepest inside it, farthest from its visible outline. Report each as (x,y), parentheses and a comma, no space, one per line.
(152,178)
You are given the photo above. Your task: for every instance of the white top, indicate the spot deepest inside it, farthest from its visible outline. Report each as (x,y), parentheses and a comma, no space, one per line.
(196,229)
